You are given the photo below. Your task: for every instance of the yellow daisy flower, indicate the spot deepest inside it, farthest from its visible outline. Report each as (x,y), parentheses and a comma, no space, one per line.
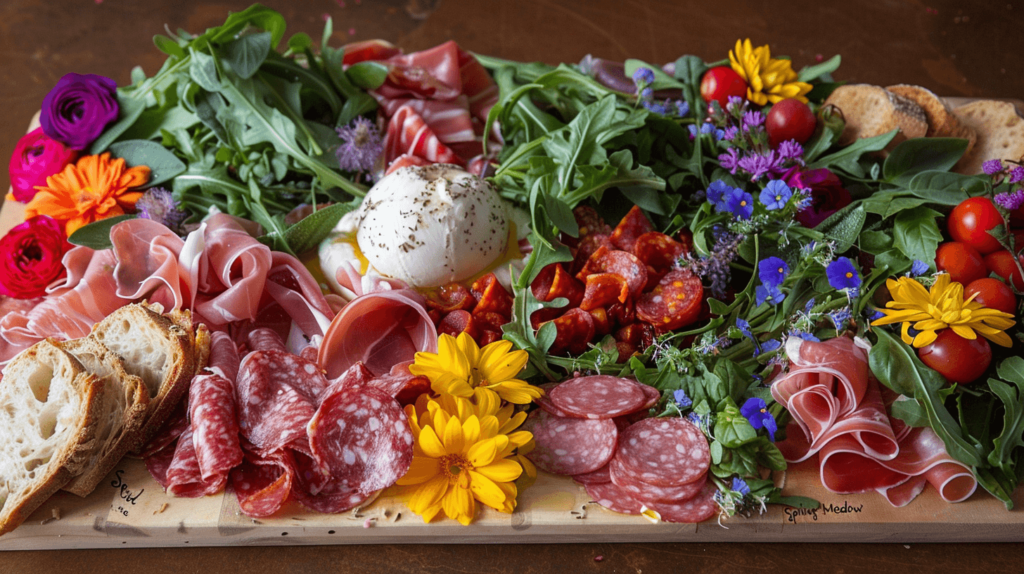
(941,307)
(464,453)
(768,79)
(460,366)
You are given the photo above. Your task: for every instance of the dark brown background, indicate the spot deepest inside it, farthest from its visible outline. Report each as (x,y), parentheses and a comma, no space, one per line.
(954,49)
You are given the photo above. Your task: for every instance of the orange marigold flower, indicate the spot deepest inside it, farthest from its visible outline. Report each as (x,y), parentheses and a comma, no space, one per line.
(94,188)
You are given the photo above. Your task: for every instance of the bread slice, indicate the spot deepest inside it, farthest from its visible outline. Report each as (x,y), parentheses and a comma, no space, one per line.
(871,111)
(50,411)
(154,349)
(125,401)
(1000,130)
(942,123)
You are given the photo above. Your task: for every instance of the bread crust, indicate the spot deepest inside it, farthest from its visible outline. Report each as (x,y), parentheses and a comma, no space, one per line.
(1000,130)
(871,111)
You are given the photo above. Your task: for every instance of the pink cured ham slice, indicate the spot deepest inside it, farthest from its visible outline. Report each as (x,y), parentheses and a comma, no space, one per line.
(224,359)
(409,133)
(598,397)
(450,120)
(365,50)
(184,478)
(380,329)
(428,74)
(664,452)
(405,160)
(599,476)
(570,446)
(211,408)
(277,396)
(263,484)
(903,494)
(645,492)
(264,339)
(362,435)
(697,509)
(613,498)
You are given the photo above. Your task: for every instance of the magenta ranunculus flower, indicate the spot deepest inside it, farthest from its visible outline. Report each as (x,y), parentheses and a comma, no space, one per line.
(827,194)
(77,109)
(31,257)
(36,157)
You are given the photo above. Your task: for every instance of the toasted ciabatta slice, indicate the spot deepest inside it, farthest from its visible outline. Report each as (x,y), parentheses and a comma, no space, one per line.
(1000,134)
(50,410)
(942,123)
(871,111)
(154,349)
(198,334)
(124,412)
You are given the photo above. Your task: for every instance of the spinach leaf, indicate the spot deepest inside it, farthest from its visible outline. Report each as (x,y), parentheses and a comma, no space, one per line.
(247,53)
(916,234)
(945,188)
(847,158)
(810,73)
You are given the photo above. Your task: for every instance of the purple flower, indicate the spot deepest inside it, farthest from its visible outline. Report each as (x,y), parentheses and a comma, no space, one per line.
(740,203)
(807,336)
(770,293)
(752,120)
(696,419)
(734,102)
(77,109)
(715,267)
(744,326)
(682,108)
(839,317)
(877,315)
(655,107)
(647,93)
(992,166)
(776,195)
(362,148)
(770,345)
(758,165)
(643,77)
(1010,201)
(717,192)
(772,271)
(730,159)
(707,129)
(730,133)
(157,204)
(755,410)
(790,149)
(809,305)
(681,399)
(1017,174)
(918,268)
(843,274)
(739,486)
(693,131)
(826,194)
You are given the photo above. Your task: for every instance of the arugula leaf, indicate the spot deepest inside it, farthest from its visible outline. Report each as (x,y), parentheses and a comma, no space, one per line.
(96,235)
(1012,397)
(168,46)
(247,53)
(163,164)
(916,234)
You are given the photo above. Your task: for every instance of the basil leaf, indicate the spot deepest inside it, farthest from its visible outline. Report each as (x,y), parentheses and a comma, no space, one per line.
(946,188)
(916,155)
(875,241)
(308,233)
(129,112)
(96,235)
(367,75)
(847,158)
(299,42)
(733,429)
(811,73)
(245,54)
(916,234)
(162,163)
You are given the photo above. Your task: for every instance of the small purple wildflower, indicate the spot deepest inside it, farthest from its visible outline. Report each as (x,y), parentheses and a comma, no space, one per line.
(740,203)
(739,486)
(681,399)
(839,318)
(734,102)
(643,77)
(772,271)
(1010,201)
(843,274)
(715,268)
(655,107)
(758,165)
(157,204)
(730,159)
(809,305)
(770,345)
(752,120)
(877,315)
(992,166)
(790,149)
(707,129)
(1016,174)
(755,410)
(362,148)
(768,293)
(647,93)
(697,420)
(693,131)
(730,133)
(744,326)
(776,195)
(805,336)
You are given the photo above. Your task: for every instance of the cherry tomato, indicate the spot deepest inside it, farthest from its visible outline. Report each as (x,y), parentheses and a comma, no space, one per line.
(971,221)
(993,294)
(790,120)
(720,83)
(1001,263)
(963,262)
(959,360)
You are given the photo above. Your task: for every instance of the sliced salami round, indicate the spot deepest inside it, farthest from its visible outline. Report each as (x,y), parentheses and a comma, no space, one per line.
(697,509)
(663,452)
(570,446)
(645,492)
(652,395)
(613,498)
(168,433)
(263,485)
(599,476)
(264,339)
(224,358)
(158,463)
(331,499)
(211,407)
(544,402)
(362,435)
(183,476)
(621,263)
(598,397)
(673,303)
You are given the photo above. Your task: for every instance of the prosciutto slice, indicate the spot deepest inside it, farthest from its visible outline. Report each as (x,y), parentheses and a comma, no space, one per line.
(839,414)
(380,330)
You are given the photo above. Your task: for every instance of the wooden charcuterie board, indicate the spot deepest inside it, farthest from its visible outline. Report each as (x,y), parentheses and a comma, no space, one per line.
(129,509)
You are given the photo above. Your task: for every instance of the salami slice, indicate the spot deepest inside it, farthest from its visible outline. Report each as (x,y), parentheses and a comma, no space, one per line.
(664,452)
(169,432)
(277,396)
(673,303)
(658,251)
(604,289)
(183,476)
(158,463)
(613,498)
(355,376)
(264,339)
(632,226)
(574,331)
(362,435)
(621,263)
(599,476)
(598,397)
(652,395)
(263,485)
(545,403)
(697,509)
(331,499)
(570,446)
(224,358)
(645,492)
(458,322)
(211,407)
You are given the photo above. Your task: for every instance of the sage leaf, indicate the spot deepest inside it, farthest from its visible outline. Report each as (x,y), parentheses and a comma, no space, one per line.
(163,165)
(96,235)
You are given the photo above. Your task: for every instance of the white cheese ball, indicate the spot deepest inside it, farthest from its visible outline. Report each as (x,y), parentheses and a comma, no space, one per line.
(432,225)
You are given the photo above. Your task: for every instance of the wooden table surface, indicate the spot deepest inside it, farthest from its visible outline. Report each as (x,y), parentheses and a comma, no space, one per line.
(954,49)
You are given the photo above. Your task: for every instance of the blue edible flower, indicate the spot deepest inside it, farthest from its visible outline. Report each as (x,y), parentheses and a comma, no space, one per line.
(707,129)
(740,203)
(776,195)
(755,410)
(740,486)
(681,399)
(643,77)
(770,293)
(918,268)
(807,336)
(717,192)
(843,274)
(772,271)
(682,108)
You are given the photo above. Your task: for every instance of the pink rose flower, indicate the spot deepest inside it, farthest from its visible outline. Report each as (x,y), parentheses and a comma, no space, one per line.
(35,158)
(31,257)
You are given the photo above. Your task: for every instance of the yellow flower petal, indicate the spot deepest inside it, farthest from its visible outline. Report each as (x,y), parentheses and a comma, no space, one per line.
(427,494)
(431,444)
(924,338)
(486,491)
(458,504)
(503,470)
(421,470)
(453,439)
(471,430)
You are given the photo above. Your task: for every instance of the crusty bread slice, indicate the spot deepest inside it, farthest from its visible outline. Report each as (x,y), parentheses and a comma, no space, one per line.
(50,410)
(154,349)
(1000,134)
(942,123)
(124,412)
(198,334)
(871,111)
